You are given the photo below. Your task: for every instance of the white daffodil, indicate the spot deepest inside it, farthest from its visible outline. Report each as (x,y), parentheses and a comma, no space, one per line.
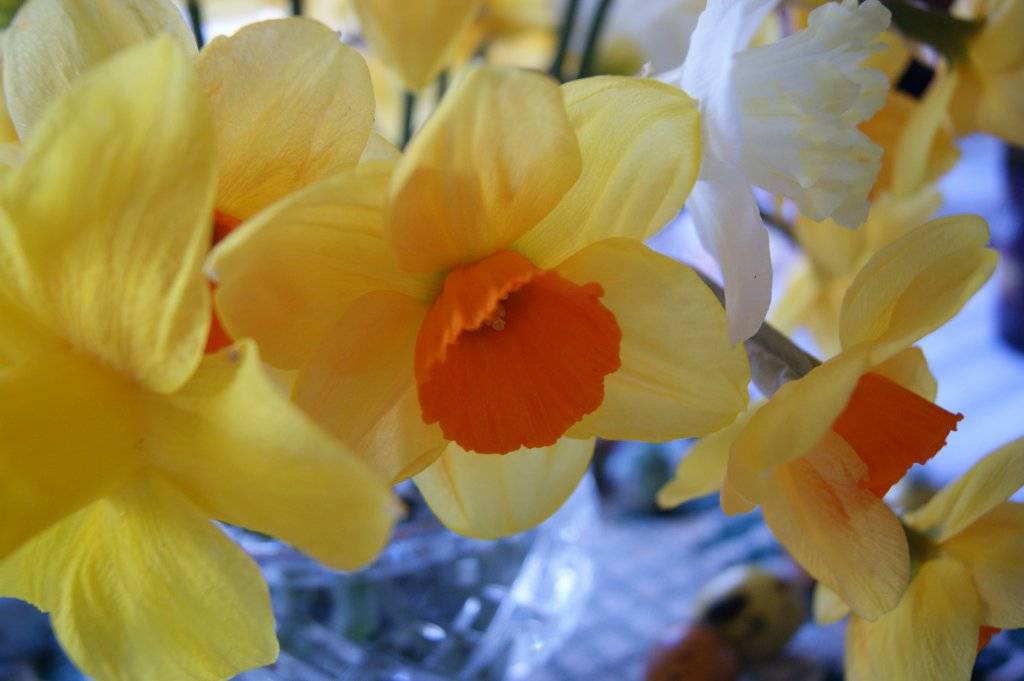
(782,117)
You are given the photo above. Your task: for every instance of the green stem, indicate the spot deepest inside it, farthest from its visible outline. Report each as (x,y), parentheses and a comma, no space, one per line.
(195,18)
(297,8)
(594,39)
(564,35)
(946,33)
(408,115)
(442,84)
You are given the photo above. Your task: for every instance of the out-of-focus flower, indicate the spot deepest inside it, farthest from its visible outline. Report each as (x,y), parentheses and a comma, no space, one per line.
(492,294)
(820,454)
(656,32)
(415,39)
(291,104)
(917,143)
(990,94)
(782,117)
(968,583)
(120,440)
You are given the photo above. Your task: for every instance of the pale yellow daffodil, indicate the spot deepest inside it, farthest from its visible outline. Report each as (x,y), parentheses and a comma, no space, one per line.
(990,95)
(917,143)
(491,293)
(968,583)
(819,455)
(121,441)
(416,39)
(291,104)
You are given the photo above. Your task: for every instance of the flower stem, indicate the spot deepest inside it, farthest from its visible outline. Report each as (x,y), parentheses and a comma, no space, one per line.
(594,39)
(195,18)
(442,84)
(408,115)
(564,35)
(946,33)
(297,8)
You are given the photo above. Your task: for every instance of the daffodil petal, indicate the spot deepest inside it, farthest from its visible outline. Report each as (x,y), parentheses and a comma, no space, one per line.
(640,141)
(415,38)
(140,585)
(231,440)
(916,284)
(932,634)
(361,386)
(842,534)
(51,43)
(291,105)
(112,208)
(701,471)
(69,434)
(493,495)
(679,375)
(987,484)
(492,162)
(287,275)
(379,149)
(827,606)
(925,147)
(991,548)
(909,368)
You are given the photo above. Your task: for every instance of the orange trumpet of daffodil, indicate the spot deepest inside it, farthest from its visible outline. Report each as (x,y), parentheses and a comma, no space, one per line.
(820,454)
(968,582)
(291,104)
(120,440)
(477,313)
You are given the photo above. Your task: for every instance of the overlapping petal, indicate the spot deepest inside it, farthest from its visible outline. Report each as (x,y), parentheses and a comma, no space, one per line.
(119,269)
(53,42)
(986,485)
(679,375)
(932,634)
(844,535)
(140,585)
(492,162)
(640,143)
(289,274)
(291,105)
(232,442)
(360,384)
(916,284)
(490,496)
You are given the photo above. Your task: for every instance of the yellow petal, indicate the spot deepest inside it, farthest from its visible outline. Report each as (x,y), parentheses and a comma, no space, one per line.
(70,432)
(845,536)
(917,283)
(379,149)
(794,420)
(51,43)
(987,484)
(991,548)
(494,495)
(7,131)
(112,207)
(360,385)
(491,163)
(702,470)
(680,376)
(141,586)
(291,105)
(932,634)
(286,276)
(230,439)
(909,368)
(925,148)
(415,38)
(828,607)
(640,141)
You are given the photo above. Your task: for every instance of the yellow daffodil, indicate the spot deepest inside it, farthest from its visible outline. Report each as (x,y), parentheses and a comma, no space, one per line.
(291,104)
(782,117)
(917,143)
(990,96)
(477,313)
(121,441)
(819,455)
(415,39)
(968,583)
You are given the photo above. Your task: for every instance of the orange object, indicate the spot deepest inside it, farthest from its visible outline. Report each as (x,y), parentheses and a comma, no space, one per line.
(985,635)
(511,356)
(218,338)
(892,428)
(700,655)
